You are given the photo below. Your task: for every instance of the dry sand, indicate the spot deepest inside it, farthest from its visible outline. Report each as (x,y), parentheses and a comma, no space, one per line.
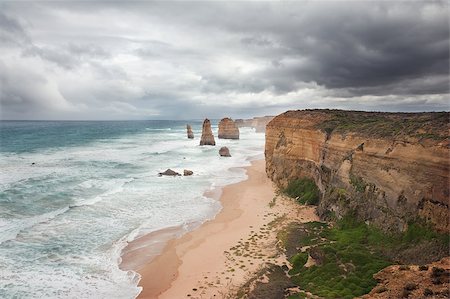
(213,260)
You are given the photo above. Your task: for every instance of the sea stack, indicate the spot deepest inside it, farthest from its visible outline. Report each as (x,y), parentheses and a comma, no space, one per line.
(224,152)
(190,134)
(207,135)
(228,129)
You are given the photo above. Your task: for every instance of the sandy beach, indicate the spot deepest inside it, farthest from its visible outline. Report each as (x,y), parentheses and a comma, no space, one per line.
(216,258)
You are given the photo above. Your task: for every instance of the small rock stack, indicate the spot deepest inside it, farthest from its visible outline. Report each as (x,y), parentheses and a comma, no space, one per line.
(190,134)
(224,152)
(207,135)
(228,129)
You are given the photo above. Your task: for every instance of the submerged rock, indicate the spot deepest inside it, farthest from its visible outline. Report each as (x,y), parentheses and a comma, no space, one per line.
(169,172)
(190,134)
(224,152)
(228,129)
(207,135)
(187,172)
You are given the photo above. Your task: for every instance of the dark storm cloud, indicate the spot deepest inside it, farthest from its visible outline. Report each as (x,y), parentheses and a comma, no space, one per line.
(358,45)
(110,59)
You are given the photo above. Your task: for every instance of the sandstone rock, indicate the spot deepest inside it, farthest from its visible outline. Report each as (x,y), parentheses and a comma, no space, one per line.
(258,123)
(393,282)
(187,172)
(207,135)
(190,134)
(390,167)
(228,129)
(169,172)
(224,152)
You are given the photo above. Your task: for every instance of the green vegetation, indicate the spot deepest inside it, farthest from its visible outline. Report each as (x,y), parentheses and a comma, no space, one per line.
(298,261)
(304,190)
(358,183)
(419,125)
(418,232)
(346,255)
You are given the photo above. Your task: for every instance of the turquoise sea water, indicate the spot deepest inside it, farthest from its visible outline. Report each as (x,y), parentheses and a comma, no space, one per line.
(73,193)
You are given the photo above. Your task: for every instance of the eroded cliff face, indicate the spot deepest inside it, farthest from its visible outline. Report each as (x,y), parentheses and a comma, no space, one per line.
(387,168)
(258,123)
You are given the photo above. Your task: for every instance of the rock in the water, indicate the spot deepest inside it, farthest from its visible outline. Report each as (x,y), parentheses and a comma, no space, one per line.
(207,135)
(190,134)
(224,152)
(228,129)
(187,172)
(169,172)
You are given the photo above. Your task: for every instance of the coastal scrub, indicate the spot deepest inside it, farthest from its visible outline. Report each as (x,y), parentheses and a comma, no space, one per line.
(304,190)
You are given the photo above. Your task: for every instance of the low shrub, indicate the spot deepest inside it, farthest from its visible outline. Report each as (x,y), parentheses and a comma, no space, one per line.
(304,190)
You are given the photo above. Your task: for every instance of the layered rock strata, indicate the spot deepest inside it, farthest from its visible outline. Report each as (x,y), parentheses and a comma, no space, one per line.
(258,123)
(207,135)
(190,134)
(387,168)
(228,129)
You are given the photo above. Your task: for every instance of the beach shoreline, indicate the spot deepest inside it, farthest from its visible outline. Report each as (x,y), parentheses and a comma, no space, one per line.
(223,252)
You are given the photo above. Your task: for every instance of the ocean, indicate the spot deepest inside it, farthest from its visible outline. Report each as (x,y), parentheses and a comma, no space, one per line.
(72,194)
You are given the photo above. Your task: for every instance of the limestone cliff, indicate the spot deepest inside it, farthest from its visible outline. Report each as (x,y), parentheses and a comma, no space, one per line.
(228,129)
(207,135)
(388,168)
(258,123)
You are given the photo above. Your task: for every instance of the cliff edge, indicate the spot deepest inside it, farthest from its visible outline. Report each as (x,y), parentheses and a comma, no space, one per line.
(387,168)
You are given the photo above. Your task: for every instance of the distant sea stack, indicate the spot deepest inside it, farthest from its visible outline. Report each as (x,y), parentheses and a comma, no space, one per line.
(388,169)
(258,123)
(207,135)
(190,134)
(228,129)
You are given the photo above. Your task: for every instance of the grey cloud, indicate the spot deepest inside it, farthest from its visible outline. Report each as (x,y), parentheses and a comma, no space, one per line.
(12,32)
(68,56)
(267,56)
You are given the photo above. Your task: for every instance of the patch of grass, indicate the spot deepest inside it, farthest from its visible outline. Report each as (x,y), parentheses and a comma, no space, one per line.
(347,254)
(420,125)
(417,232)
(304,190)
(298,261)
(358,183)
(346,261)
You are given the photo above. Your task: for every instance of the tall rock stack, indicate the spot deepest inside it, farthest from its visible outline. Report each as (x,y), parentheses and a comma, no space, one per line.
(207,135)
(228,129)
(190,134)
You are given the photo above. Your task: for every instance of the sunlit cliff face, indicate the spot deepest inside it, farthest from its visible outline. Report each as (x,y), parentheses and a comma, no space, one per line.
(387,171)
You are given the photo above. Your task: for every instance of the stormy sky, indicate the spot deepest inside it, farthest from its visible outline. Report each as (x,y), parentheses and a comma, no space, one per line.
(189,60)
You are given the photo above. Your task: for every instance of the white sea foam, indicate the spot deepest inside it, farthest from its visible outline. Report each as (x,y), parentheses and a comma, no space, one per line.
(116,197)
(9,229)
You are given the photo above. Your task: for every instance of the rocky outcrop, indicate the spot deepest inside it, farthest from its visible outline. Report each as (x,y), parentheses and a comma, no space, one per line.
(425,281)
(224,152)
(258,123)
(207,135)
(228,129)
(387,168)
(169,172)
(190,134)
(187,172)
